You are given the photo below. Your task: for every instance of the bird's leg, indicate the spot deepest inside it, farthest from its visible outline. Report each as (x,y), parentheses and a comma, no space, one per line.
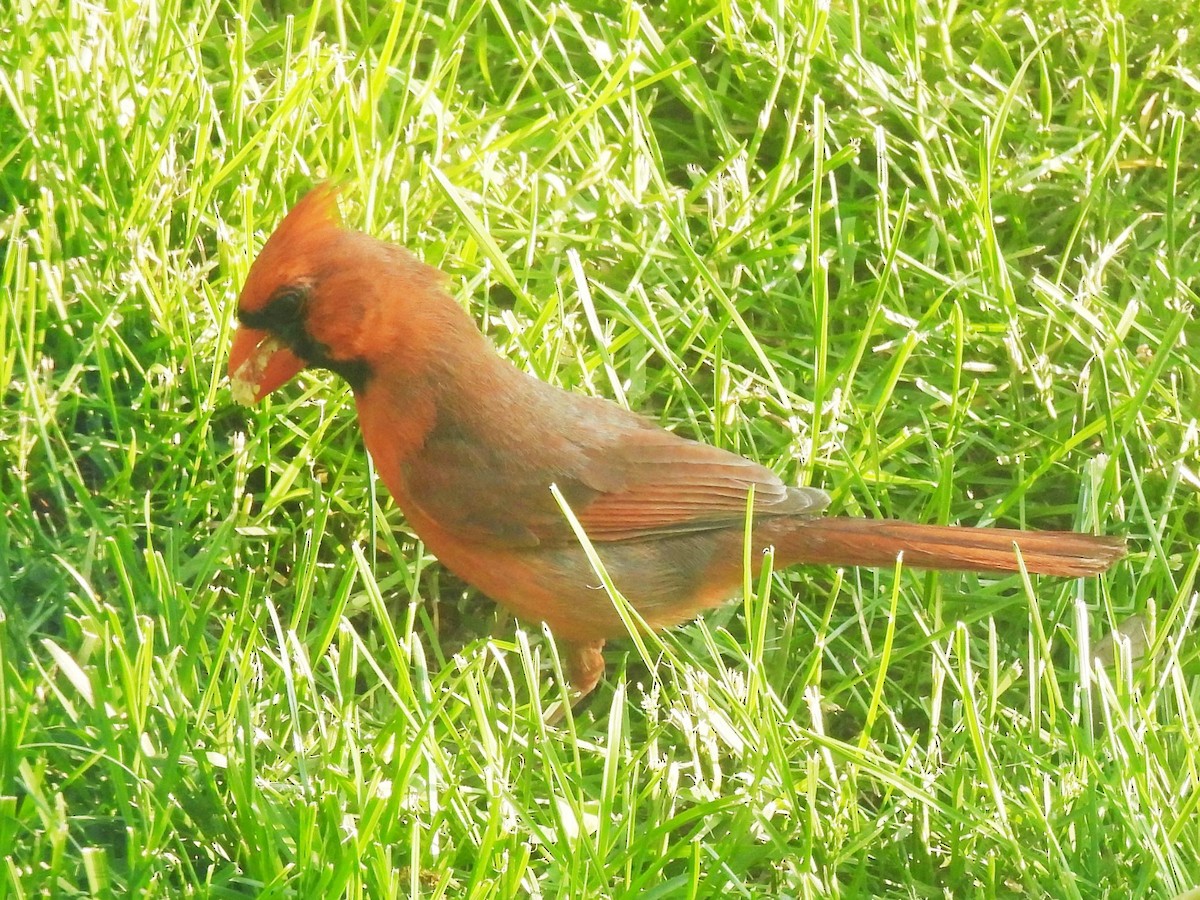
(585,666)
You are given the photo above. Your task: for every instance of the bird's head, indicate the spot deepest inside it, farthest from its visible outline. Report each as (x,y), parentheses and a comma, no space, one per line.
(323,296)
(283,301)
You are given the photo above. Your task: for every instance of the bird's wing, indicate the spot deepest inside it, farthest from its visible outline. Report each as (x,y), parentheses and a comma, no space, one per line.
(655,482)
(622,477)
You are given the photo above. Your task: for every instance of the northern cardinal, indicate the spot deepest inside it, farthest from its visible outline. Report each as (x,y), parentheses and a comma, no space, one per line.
(469,445)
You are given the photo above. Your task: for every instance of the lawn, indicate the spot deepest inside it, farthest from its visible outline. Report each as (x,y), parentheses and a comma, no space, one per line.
(938,259)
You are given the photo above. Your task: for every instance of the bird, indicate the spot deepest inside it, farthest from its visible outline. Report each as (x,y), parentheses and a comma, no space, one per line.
(469,446)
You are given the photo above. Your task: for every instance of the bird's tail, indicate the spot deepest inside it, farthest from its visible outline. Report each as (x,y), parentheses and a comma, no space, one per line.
(846,541)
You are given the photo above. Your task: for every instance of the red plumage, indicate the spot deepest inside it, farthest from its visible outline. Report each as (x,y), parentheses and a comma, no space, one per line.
(469,445)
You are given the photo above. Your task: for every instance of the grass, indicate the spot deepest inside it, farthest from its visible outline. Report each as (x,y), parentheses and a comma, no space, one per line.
(939,261)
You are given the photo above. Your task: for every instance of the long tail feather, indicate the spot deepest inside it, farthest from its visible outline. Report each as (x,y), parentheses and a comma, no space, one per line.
(877,542)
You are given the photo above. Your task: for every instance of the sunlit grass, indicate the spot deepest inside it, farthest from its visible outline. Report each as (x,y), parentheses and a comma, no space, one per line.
(943,268)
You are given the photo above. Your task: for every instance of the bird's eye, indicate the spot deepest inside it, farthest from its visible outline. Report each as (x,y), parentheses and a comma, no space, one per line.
(285,305)
(283,310)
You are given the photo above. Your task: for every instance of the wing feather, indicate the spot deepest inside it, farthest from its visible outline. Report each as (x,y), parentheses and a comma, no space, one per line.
(673,485)
(624,478)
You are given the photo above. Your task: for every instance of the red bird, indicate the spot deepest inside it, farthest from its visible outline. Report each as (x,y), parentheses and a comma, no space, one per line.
(469,445)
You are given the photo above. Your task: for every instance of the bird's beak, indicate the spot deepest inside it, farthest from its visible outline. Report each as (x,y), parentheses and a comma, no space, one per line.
(258,363)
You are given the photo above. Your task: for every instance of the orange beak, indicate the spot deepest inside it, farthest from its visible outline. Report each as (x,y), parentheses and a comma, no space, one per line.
(259,363)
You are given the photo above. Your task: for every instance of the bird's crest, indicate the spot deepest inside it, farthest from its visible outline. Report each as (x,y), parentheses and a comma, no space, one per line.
(316,212)
(294,247)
